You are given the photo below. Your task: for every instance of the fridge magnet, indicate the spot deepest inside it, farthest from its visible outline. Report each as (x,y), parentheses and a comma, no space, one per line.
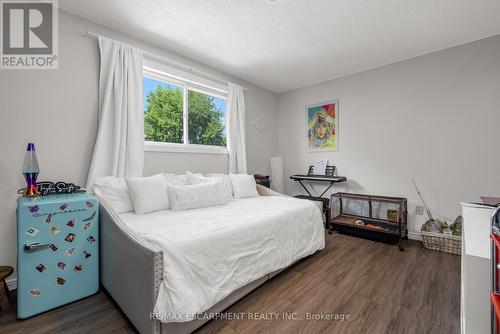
(69,252)
(89,204)
(86,254)
(40,267)
(54,230)
(48,219)
(34,208)
(32,231)
(89,218)
(53,247)
(60,281)
(61,265)
(79,267)
(35,292)
(63,207)
(90,239)
(71,223)
(70,237)
(86,226)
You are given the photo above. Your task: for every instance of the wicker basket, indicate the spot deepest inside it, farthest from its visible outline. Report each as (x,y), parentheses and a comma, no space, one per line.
(442,242)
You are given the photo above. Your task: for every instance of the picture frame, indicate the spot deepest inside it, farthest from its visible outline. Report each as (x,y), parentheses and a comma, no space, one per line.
(322,126)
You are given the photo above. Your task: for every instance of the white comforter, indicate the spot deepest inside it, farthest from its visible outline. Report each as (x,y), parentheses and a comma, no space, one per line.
(211,252)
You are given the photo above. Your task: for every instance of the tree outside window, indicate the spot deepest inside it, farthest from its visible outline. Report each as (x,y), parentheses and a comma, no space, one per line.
(163,115)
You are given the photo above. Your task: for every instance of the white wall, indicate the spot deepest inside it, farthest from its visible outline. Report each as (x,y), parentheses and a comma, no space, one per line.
(57,110)
(434,118)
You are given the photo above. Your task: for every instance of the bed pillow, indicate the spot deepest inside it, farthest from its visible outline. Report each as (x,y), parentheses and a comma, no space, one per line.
(196,178)
(175,179)
(243,185)
(183,197)
(227,186)
(114,191)
(148,194)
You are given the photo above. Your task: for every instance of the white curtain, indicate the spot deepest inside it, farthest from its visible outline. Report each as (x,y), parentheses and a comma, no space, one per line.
(236,142)
(119,147)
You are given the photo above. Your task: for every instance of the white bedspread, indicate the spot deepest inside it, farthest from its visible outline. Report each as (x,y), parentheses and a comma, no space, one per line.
(211,252)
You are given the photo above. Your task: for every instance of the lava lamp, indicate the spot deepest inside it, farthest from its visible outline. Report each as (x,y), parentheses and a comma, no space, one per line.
(30,171)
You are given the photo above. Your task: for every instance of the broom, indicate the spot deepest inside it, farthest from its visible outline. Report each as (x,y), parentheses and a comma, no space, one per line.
(422,200)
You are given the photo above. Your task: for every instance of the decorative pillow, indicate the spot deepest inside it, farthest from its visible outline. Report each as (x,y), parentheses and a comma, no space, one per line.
(148,194)
(175,179)
(196,179)
(225,181)
(197,174)
(243,185)
(183,197)
(114,191)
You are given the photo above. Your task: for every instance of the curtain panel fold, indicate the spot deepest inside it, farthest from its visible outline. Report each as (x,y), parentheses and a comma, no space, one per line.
(236,141)
(119,147)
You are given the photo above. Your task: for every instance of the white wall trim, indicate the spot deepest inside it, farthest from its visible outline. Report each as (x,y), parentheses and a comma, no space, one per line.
(11,283)
(151,146)
(181,79)
(414,236)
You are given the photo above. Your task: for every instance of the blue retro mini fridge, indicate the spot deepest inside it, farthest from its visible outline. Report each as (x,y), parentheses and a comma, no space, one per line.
(57,251)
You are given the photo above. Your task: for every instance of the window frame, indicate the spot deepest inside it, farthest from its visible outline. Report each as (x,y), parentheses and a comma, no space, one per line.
(186,85)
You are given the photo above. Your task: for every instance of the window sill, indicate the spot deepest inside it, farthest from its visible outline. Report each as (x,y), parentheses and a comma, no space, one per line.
(152,146)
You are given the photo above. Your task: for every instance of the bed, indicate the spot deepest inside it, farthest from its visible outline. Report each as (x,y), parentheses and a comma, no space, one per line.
(169,268)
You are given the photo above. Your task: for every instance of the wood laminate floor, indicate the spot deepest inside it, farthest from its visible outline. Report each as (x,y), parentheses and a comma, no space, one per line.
(381,289)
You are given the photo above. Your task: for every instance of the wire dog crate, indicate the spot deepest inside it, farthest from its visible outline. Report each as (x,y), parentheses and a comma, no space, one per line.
(379,218)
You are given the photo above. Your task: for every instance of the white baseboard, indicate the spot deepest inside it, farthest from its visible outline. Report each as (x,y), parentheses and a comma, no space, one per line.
(11,283)
(414,236)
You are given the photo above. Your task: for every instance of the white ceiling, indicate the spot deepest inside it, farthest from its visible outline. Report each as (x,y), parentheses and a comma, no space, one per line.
(285,44)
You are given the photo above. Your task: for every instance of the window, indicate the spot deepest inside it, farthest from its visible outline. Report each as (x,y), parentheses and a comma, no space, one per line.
(182,115)
(163,111)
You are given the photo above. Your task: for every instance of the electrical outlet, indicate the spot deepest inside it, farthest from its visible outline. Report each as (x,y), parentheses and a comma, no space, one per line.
(419,210)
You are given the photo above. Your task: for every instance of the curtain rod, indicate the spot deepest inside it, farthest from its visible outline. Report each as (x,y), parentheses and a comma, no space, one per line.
(163,59)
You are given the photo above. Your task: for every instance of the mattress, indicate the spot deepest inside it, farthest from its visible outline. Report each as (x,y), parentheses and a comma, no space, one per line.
(210,252)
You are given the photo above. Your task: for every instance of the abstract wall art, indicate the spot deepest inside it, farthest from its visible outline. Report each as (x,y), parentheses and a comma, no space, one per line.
(322,126)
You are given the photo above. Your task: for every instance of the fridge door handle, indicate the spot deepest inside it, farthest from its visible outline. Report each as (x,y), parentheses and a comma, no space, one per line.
(35,246)
(495,220)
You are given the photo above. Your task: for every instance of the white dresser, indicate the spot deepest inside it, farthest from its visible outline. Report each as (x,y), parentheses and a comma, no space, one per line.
(475,310)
